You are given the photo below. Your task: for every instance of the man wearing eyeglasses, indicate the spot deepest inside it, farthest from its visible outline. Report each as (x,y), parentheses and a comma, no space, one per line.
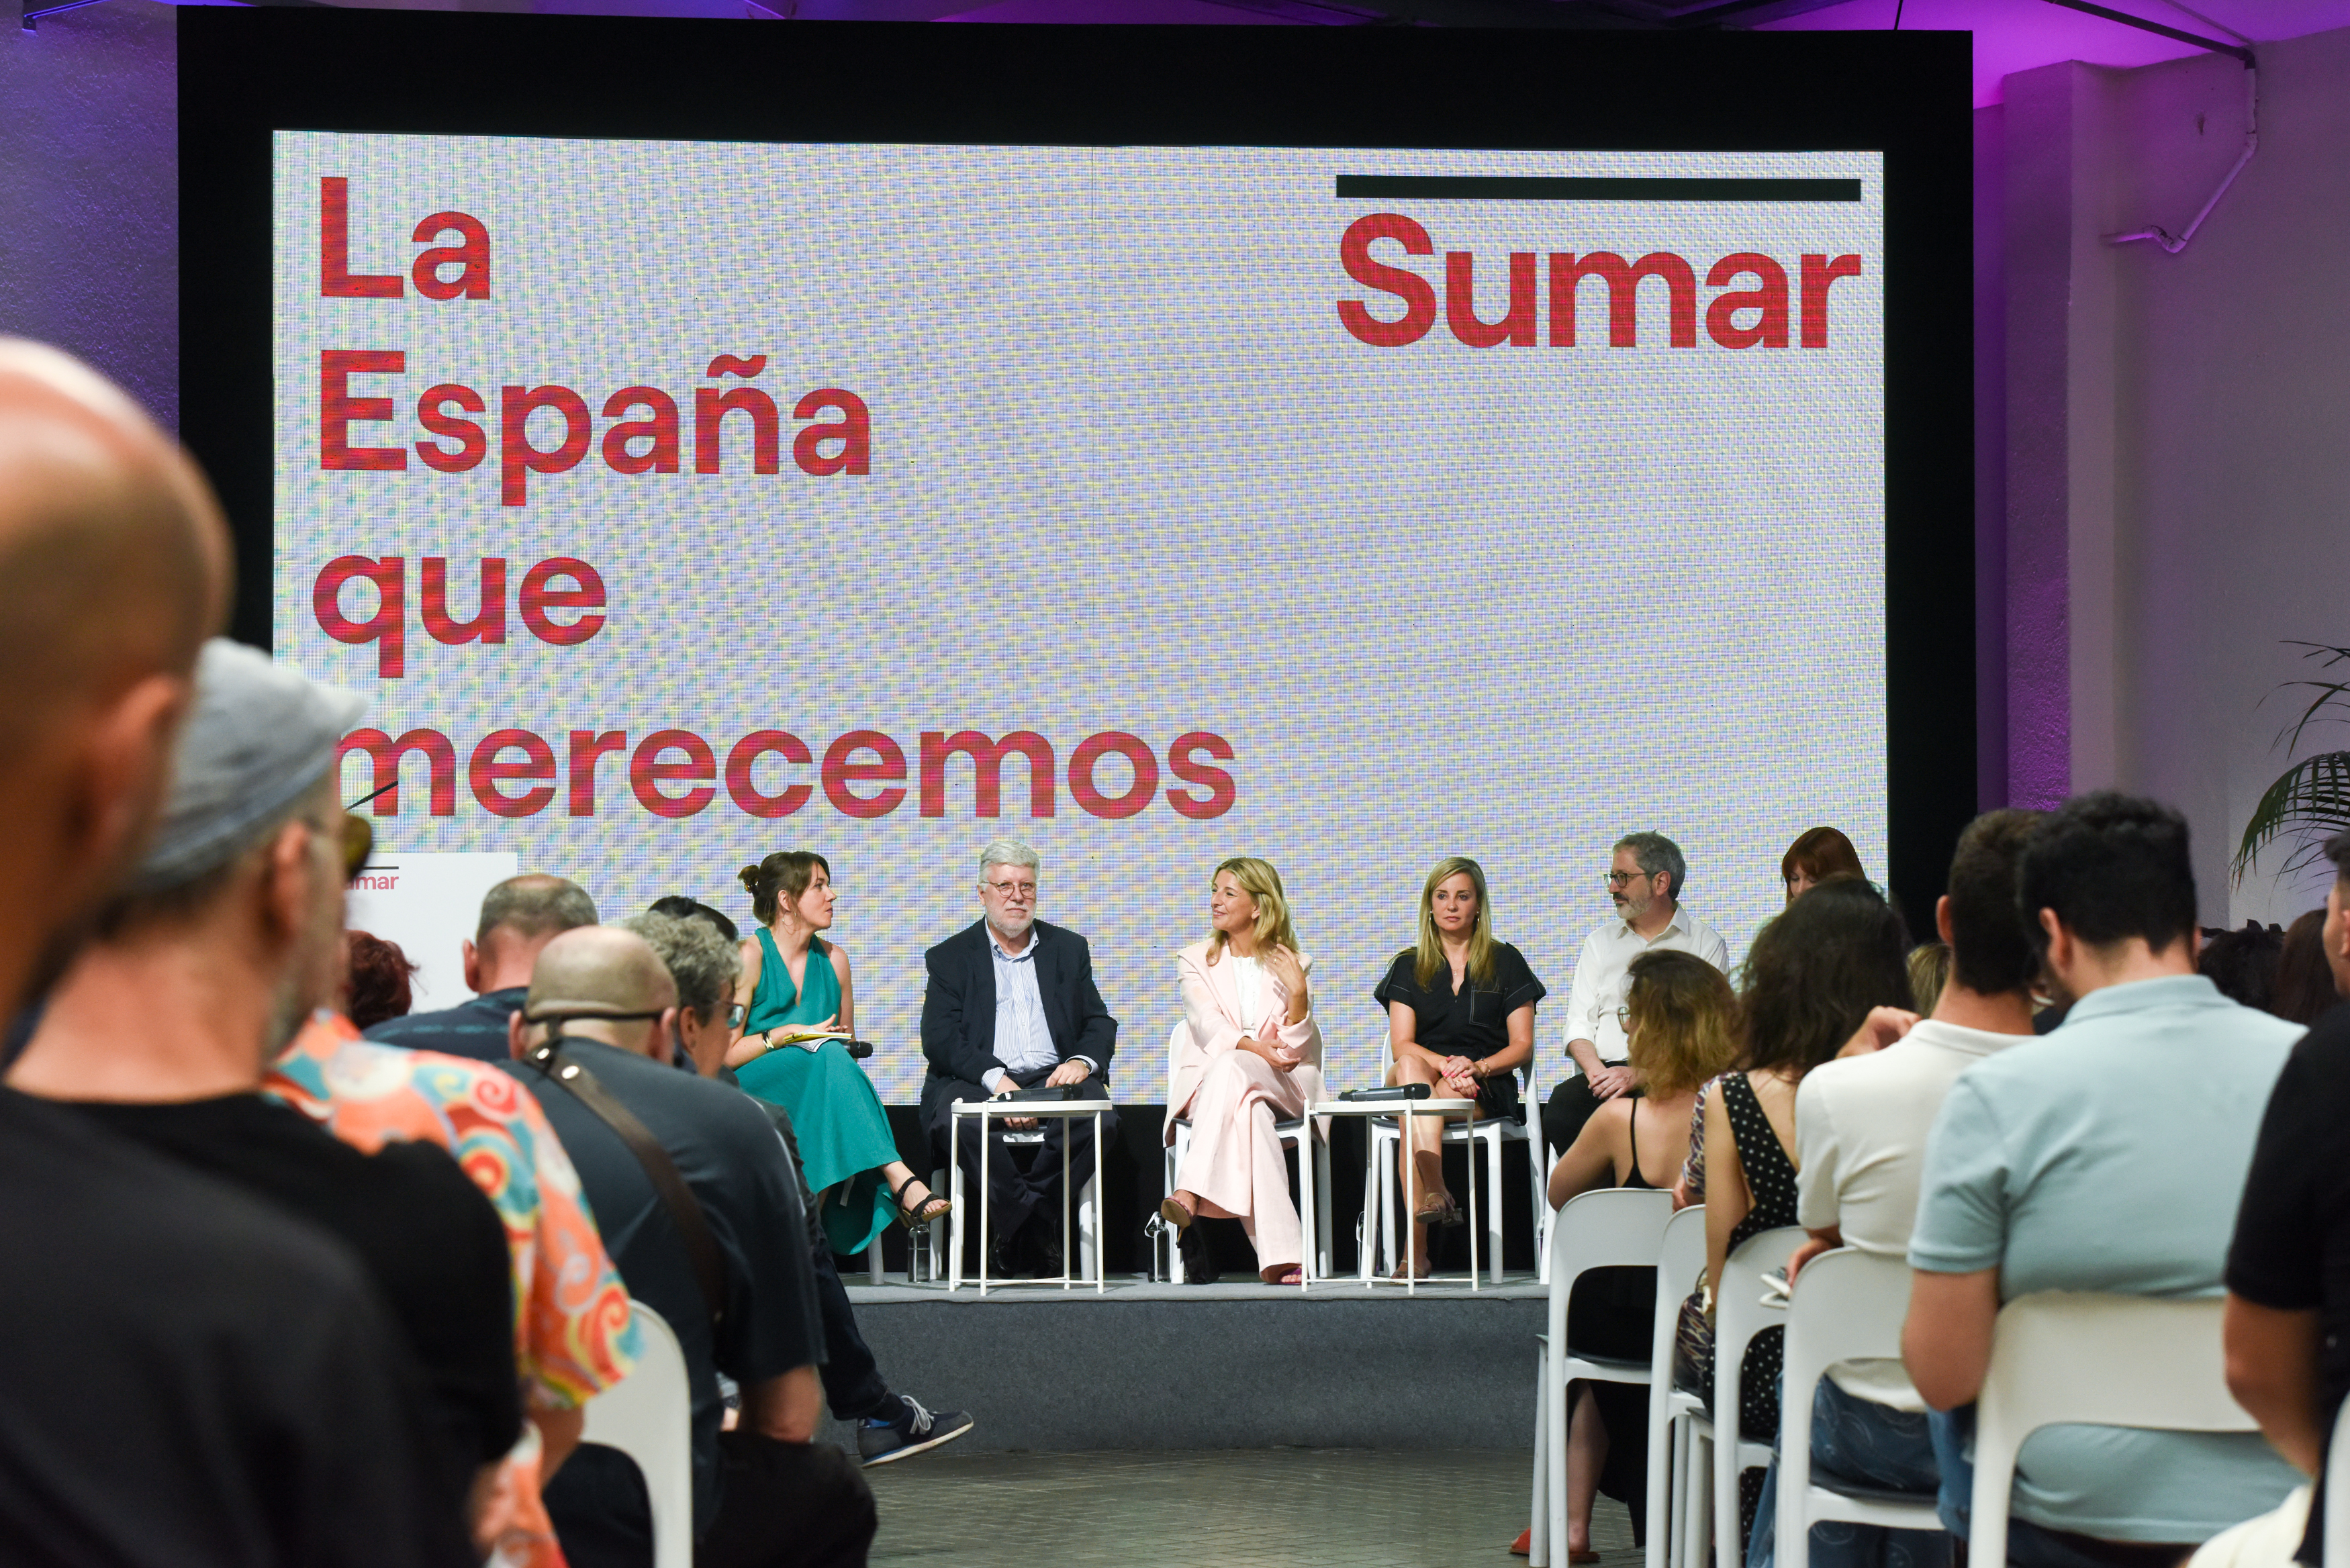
(1644,883)
(1011,1005)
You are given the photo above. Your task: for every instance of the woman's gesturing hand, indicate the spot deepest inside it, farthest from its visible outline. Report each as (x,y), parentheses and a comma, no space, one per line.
(1289,974)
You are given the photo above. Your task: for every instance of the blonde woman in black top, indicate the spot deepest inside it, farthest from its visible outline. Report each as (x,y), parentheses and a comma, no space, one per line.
(1461,1019)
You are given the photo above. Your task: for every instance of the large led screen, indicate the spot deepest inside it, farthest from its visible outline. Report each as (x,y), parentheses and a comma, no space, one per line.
(679,502)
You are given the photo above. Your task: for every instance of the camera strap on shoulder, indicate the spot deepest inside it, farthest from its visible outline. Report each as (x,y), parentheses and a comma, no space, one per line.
(669,1182)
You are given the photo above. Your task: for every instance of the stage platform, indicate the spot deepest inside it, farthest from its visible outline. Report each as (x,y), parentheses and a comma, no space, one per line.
(1238,1366)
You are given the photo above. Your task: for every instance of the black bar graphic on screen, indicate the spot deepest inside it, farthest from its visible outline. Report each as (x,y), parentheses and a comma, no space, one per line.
(1595,188)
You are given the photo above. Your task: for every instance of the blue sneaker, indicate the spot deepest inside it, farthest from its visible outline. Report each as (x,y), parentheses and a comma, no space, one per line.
(912,1431)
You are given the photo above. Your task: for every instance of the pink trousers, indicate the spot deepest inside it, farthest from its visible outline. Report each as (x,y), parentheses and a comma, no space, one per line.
(1235,1163)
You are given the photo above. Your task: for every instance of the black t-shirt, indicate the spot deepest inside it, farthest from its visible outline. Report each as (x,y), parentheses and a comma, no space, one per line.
(475,1028)
(432,1243)
(193,1377)
(1472,1024)
(2291,1249)
(730,1156)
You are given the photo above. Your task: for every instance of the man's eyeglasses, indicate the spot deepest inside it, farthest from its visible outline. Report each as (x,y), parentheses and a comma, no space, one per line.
(1013,892)
(1616,879)
(359,843)
(736,1015)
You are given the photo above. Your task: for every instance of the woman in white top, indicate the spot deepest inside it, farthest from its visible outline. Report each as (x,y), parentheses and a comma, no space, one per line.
(1250,1055)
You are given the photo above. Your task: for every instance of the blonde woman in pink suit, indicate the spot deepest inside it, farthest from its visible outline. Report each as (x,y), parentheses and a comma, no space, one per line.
(1250,1055)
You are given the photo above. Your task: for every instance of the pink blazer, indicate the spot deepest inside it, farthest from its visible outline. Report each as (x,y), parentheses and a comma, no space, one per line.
(1214,1025)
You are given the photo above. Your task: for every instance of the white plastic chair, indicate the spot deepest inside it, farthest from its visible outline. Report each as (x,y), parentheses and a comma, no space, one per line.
(648,1416)
(1680,1258)
(1313,1179)
(1381,1188)
(1847,1305)
(2091,1359)
(1739,1314)
(2336,1540)
(1609,1229)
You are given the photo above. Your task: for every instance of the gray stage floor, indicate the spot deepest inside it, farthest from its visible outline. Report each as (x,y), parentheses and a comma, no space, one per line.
(1278,1507)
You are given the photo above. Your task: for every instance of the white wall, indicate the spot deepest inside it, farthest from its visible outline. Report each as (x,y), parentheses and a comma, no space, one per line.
(2179,425)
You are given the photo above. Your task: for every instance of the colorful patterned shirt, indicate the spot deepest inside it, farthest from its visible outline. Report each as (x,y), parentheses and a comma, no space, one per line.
(573,1333)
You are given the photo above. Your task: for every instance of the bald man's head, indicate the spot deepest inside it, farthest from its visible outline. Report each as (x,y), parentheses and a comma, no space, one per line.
(595,972)
(114,558)
(114,567)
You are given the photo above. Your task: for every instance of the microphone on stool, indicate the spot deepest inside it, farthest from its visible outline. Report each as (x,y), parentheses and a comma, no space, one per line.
(1388,1092)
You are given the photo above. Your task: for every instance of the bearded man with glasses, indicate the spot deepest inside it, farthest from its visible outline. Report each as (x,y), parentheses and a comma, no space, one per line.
(1011,1005)
(1644,883)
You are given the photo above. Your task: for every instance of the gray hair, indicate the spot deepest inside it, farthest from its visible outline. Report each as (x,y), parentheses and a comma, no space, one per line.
(1007,852)
(704,964)
(534,905)
(1656,855)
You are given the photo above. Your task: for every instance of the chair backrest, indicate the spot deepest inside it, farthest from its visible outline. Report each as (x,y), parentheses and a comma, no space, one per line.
(1847,1305)
(647,1416)
(1739,1314)
(2337,1476)
(1612,1228)
(1176,1040)
(2098,1360)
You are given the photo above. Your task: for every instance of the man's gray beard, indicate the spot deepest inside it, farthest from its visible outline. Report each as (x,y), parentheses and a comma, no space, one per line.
(1026,926)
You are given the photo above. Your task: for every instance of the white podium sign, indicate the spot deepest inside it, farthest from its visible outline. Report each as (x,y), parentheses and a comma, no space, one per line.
(429,904)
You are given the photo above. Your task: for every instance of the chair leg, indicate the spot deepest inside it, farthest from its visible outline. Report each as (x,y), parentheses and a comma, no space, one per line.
(1173,1238)
(1390,1200)
(873,1260)
(1324,1239)
(1538,1514)
(1728,1547)
(1539,1190)
(1493,1206)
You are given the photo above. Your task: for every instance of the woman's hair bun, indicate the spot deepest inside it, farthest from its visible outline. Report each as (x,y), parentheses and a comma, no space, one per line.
(749,877)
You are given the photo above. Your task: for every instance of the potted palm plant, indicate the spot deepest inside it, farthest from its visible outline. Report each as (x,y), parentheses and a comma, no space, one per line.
(2311,800)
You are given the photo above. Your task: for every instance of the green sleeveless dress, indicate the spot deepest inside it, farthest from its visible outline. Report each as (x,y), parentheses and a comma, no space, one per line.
(843,1134)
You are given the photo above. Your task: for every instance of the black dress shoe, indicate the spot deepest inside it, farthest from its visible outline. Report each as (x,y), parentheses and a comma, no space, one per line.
(1199,1258)
(1044,1252)
(1002,1261)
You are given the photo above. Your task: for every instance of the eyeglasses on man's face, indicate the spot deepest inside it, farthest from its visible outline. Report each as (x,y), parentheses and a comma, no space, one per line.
(1616,880)
(735,1014)
(1012,891)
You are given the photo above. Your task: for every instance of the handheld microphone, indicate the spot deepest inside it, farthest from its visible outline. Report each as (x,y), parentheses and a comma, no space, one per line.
(1388,1092)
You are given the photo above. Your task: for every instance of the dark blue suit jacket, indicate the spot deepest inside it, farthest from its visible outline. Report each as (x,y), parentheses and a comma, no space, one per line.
(958,1009)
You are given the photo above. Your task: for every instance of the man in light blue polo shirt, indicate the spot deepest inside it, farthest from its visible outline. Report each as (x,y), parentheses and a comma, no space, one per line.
(2107,1155)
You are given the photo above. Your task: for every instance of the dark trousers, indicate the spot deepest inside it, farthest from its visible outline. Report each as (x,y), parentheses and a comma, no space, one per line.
(1570,1105)
(853,1385)
(1022,1181)
(789,1505)
(785,1505)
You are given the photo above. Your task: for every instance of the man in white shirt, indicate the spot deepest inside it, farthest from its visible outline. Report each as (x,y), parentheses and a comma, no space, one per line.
(1644,885)
(1860,1138)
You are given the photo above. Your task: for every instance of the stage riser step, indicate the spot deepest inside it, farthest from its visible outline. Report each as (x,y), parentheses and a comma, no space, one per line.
(1088,1374)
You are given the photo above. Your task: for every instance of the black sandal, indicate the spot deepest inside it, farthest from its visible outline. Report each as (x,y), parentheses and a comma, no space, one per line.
(927,1216)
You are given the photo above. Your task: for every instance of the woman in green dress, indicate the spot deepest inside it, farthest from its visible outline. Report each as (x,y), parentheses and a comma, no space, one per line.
(792,978)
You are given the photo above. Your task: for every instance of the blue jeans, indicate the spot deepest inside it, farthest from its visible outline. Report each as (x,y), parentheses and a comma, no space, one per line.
(1861,1443)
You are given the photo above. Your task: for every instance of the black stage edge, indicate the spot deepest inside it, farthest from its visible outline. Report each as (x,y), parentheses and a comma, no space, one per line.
(1219,1366)
(1134,1173)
